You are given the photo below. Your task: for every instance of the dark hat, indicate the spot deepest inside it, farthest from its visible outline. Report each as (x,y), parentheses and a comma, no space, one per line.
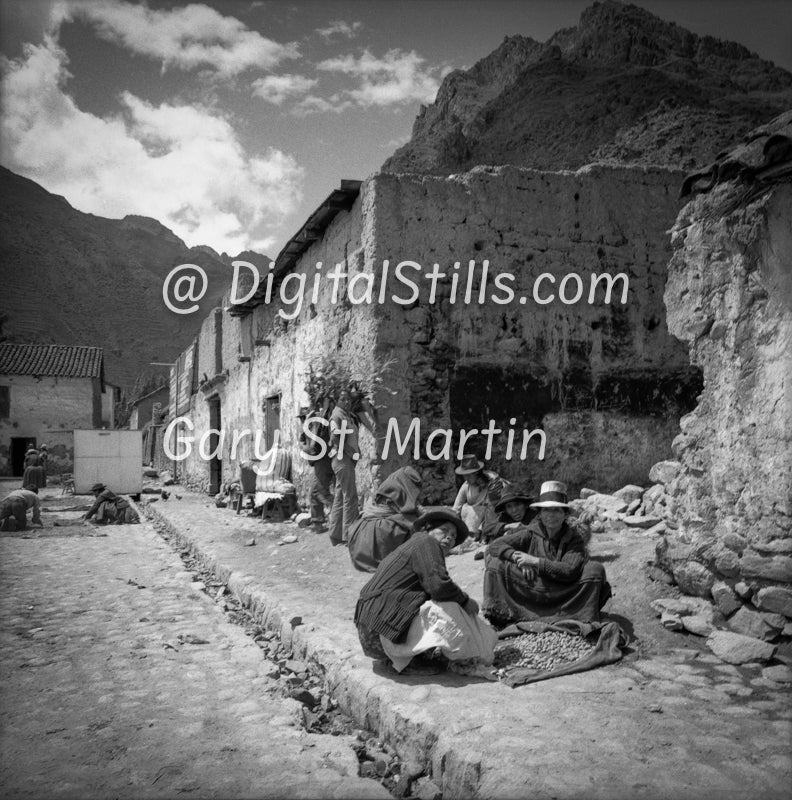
(468,465)
(98,487)
(511,494)
(443,514)
(553,494)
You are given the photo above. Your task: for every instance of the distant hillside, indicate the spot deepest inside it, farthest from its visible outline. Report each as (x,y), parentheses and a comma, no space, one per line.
(623,85)
(75,278)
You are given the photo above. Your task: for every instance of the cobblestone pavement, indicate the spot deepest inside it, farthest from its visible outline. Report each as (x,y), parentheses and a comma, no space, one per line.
(120,678)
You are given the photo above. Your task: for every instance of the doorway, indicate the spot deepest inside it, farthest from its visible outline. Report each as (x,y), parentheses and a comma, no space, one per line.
(19,446)
(215,464)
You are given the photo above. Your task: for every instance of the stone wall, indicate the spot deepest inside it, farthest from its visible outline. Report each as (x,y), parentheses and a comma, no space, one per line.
(606,381)
(729,296)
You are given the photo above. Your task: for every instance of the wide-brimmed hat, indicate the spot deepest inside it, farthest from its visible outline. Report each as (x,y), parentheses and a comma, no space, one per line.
(553,494)
(443,514)
(98,487)
(512,494)
(468,465)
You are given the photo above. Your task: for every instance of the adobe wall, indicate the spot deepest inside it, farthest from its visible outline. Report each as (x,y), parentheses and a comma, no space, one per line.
(47,410)
(280,367)
(729,296)
(607,382)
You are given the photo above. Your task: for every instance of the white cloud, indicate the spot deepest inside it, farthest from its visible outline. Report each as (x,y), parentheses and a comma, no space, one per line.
(398,77)
(313,104)
(340,28)
(182,165)
(187,37)
(276,89)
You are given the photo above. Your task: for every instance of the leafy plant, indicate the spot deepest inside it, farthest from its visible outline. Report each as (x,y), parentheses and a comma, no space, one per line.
(364,378)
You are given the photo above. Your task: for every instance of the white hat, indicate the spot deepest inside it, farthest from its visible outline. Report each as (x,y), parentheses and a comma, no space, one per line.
(553,494)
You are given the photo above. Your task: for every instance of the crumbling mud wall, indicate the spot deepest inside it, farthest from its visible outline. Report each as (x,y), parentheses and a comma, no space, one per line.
(264,355)
(729,296)
(605,380)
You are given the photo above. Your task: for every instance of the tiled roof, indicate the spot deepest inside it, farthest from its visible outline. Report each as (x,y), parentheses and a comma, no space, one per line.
(67,361)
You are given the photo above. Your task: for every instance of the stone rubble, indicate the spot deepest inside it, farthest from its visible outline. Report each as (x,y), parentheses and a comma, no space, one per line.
(723,581)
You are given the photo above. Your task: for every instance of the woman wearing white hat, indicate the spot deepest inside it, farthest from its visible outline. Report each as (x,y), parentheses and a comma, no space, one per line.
(542,571)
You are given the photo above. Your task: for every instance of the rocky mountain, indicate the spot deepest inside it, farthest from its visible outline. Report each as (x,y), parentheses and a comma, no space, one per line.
(622,86)
(75,278)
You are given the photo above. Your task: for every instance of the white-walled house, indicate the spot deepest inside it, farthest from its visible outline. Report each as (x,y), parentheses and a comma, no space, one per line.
(46,392)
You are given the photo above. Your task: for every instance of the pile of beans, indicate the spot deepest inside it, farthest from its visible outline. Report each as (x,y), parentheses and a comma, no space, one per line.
(541,651)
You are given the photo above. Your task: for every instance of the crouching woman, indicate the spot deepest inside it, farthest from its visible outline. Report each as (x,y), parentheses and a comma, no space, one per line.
(110,509)
(411,606)
(542,570)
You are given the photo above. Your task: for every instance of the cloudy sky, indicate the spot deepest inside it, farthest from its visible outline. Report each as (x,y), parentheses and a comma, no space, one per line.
(230,121)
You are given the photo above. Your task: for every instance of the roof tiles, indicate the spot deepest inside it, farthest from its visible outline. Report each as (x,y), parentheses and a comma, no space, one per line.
(68,361)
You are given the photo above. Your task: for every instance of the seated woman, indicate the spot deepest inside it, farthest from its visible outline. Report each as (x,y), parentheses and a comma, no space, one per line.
(472,500)
(387,521)
(542,571)
(411,605)
(109,508)
(512,510)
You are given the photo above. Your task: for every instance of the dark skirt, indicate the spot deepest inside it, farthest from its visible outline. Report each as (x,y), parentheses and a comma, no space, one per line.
(371,644)
(370,540)
(34,476)
(512,596)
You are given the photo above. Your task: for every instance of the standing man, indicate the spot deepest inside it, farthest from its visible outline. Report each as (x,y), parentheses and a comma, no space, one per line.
(13,509)
(320,493)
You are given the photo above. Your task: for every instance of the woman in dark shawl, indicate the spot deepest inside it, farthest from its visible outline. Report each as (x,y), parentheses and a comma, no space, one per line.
(542,571)
(35,474)
(387,520)
(512,510)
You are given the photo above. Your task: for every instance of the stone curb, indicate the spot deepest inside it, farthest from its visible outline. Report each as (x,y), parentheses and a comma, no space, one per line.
(408,729)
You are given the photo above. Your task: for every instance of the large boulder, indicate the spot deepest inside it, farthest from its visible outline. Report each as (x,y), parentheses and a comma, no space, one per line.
(605,504)
(725,598)
(734,648)
(775,598)
(694,578)
(752,623)
(664,472)
(629,493)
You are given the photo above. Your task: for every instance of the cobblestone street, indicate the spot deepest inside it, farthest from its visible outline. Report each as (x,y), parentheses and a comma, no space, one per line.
(121,678)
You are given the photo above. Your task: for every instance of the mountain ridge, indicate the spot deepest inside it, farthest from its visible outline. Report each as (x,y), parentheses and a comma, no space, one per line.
(76,278)
(624,86)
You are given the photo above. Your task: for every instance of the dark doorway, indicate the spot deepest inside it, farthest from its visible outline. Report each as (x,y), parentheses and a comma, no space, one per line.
(271,420)
(19,446)
(215,464)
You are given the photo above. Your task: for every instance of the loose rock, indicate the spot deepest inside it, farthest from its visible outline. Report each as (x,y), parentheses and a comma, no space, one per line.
(775,598)
(664,472)
(734,648)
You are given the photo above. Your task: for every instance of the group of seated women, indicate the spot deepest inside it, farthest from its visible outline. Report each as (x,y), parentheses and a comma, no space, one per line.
(536,567)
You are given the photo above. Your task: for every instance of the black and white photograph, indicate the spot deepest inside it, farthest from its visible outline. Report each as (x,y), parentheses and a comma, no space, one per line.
(395,399)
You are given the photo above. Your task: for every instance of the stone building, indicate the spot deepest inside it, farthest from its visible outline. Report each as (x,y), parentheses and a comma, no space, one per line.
(46,392)
(729,296)
(586,361)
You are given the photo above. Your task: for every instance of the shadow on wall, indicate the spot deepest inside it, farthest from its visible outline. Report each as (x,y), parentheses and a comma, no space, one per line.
(603,434)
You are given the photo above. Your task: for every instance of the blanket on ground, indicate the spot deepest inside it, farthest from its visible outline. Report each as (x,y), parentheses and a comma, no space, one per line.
(607,637)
